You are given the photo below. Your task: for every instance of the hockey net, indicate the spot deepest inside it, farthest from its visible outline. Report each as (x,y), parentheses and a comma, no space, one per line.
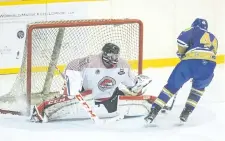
(55,43)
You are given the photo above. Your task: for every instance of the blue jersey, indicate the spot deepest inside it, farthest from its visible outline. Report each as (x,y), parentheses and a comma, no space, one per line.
(197,43)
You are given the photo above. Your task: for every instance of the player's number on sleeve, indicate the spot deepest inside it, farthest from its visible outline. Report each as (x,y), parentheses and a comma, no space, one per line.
(206,40)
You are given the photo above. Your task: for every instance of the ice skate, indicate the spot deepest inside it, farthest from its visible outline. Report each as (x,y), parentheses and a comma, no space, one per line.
(185,114)
(153,113)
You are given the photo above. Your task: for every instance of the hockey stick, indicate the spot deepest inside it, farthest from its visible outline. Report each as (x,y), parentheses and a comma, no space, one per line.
(169,108)
(174,98)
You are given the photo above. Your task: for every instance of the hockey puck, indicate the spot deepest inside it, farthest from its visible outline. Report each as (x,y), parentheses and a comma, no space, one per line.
(163,111)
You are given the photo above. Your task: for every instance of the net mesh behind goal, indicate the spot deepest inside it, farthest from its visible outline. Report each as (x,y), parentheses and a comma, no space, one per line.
(57,43)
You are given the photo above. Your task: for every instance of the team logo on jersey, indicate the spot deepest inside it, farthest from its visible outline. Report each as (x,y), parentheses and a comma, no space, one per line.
(121,72)
(106,83)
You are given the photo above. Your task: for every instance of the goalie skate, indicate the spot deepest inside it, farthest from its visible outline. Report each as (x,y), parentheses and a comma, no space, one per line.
(37,117)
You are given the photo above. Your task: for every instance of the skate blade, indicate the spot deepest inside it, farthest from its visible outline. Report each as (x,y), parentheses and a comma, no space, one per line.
(149,123)
(181,123)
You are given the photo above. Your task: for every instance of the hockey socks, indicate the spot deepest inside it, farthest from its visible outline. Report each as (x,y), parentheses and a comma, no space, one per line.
(191,103)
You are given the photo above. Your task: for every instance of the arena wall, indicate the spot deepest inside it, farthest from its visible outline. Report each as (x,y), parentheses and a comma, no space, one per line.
(163,21)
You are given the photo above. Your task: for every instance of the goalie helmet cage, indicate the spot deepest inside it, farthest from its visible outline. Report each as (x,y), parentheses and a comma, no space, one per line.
(55,43)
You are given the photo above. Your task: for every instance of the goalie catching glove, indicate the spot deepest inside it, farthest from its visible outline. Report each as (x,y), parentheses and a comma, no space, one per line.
(141,85)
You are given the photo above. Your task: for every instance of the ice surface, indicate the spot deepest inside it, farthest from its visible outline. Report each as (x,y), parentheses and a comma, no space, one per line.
(205,124)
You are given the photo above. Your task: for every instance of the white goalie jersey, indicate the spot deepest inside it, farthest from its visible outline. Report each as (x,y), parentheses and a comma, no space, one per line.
(89,73)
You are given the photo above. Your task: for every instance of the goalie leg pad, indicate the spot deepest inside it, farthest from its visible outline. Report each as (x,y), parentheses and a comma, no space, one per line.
(41,112)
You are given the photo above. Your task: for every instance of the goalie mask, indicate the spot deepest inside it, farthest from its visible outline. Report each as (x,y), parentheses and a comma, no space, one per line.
(110,54)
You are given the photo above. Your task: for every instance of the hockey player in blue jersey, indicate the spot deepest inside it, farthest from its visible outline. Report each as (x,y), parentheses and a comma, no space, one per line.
(197,50)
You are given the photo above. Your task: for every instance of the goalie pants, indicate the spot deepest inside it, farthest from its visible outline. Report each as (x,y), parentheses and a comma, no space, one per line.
(201,72)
